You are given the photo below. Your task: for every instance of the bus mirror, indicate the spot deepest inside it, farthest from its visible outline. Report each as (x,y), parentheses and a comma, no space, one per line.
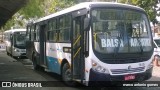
(86,23)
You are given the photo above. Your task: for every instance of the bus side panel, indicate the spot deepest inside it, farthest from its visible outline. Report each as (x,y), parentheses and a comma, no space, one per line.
(8,47)
(36,50)
(55,56)
(33,48)
(7,42)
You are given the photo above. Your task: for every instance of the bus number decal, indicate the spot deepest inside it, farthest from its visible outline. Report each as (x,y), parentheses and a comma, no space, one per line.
(143,42)
(111,43)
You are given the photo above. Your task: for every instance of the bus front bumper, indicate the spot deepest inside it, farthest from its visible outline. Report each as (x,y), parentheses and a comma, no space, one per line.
(19,54)
(97,78)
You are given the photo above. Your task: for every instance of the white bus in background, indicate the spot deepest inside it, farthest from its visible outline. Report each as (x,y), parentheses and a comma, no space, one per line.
(15,42)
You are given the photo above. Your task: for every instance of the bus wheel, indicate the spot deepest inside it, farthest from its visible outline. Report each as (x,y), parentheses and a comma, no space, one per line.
(34,62)
(66,75)
(7,53)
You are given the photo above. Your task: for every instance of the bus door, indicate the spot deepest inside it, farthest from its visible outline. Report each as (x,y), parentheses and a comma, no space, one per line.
(29,41)
(42,45)
(77,46)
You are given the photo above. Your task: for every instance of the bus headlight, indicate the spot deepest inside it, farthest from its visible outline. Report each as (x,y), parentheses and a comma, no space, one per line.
(15,49)
(96,67)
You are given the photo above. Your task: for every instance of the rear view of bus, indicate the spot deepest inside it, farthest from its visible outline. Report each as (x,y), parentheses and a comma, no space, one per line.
(122,43)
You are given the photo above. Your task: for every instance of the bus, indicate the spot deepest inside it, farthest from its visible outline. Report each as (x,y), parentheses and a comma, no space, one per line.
(93,42)
(15,42)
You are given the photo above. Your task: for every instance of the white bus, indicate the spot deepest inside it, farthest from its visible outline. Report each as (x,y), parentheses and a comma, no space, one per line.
(15,42)
(93,42)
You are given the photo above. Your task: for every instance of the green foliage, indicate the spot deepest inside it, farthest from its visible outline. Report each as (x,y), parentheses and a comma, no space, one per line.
(148,5)
(9,24)
(51,6)
(32,9)
(15,21)
(40,8)
(36,9)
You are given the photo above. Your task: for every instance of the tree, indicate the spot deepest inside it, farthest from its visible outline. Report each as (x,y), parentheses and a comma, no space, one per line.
(52,6)
(16,22)
(30,11)
(33,9)
(150,6)
(36,9)
(96,0)
(39,8)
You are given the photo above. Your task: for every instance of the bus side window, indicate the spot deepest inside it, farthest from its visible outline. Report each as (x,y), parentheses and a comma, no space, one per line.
(37,33)
(11,38)
(64,28)
(28,33)
(61,29)
(51,33)
(67,27)
(32,33)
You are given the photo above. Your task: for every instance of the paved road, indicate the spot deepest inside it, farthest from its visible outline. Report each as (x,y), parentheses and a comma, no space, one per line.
(21,70)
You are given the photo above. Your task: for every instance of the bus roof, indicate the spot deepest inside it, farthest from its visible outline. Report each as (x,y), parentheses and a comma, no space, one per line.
(87,5)
(14,30)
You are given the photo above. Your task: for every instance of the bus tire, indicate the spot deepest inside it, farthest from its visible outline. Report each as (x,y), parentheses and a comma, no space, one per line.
(66,75)
(34,62)
(7,53)
(14,57)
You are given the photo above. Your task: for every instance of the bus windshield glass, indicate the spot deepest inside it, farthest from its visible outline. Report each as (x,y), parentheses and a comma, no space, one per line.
(120,31)
(19,38)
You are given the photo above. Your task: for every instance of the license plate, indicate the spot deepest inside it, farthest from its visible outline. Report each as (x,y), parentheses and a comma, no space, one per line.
(129,77)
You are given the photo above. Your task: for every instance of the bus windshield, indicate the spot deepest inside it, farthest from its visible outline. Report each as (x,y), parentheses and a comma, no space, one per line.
(120,31)
(19,38)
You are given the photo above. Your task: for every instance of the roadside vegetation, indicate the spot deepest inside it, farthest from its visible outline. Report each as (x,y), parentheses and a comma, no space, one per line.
(35,9)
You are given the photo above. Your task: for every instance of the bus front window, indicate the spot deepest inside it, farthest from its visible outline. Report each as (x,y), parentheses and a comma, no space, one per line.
(19,40)
(120,31)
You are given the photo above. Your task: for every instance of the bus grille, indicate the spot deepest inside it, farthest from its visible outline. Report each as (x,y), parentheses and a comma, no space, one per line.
(131,70)
(23,54)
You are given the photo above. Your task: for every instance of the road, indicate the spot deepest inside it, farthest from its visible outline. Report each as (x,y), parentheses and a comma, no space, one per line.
(22,70)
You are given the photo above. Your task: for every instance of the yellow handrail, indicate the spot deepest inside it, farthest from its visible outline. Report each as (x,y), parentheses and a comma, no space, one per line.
(77,40)
(77,52)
